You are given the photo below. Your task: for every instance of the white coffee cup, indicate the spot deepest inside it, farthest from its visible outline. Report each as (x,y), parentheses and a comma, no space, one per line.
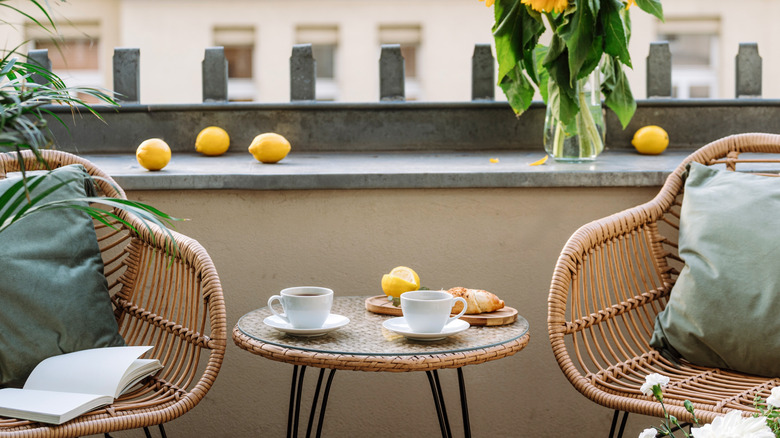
(305,307)
(428,311)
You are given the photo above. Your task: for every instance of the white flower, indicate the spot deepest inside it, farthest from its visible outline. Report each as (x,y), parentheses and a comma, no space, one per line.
(734,425)
(648,433)
(774,399)
(652,380)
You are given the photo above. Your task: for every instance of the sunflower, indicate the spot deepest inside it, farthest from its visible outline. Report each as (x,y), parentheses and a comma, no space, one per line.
(547,5)
(488,3)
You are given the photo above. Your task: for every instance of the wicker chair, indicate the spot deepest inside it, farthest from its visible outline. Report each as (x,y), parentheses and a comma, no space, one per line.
(177,306)
(614,276)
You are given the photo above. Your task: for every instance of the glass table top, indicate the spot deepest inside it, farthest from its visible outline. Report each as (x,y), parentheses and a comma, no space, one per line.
(365,335)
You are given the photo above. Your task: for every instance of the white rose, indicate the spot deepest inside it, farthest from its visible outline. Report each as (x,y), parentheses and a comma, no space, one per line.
(648,433)
(774,399)
(734,425)
(652,380)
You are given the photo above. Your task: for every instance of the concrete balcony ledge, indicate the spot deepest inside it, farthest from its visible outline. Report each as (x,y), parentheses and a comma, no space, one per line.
(389,170)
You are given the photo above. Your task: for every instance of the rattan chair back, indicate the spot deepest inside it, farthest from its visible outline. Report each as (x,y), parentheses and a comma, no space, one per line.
(170,300)
(615,275)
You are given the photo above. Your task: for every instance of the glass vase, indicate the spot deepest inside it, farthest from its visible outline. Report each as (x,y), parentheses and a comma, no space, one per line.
(583,139)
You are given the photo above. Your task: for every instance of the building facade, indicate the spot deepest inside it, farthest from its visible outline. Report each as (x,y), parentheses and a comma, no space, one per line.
(437,39)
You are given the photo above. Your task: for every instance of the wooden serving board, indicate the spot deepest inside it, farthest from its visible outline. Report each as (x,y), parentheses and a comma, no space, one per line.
(380,304)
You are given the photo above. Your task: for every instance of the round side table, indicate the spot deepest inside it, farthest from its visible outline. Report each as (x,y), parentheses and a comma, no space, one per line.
(364,345)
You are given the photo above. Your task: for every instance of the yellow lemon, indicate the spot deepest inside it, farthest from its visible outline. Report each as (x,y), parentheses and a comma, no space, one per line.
(650,140)
(212,141)
(269,147)
(400,280)
(153,154)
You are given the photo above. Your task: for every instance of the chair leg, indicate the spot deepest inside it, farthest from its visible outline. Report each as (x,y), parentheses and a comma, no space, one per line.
(147,433)
(614,424)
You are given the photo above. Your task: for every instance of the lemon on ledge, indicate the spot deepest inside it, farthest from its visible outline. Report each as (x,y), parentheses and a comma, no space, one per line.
(650,140)
(401,279)
(269,148)
(153,154)
(212,141)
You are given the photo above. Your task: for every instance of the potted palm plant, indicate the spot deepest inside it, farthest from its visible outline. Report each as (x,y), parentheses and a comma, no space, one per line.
(23,126)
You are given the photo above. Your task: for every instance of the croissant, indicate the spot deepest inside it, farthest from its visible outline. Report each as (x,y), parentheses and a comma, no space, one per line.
(479,301)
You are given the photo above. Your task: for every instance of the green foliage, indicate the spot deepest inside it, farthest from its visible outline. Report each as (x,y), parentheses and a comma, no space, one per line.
(24,107)
(586,35)
(770,412)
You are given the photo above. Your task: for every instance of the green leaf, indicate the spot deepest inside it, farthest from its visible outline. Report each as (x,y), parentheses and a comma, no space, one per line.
(594,57)
(540,52)
(562,101)
(516,34)
(652,7)
(578,33)
(615,40)
(518,90)
(533,27)
(627,22)
(618,96)
(507,35)
(560,86)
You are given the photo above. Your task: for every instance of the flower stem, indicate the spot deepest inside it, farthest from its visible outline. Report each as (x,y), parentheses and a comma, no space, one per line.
(558,140)
(590,125)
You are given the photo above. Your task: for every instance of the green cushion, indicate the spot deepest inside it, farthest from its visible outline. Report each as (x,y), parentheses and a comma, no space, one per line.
(53,292)
(724,309)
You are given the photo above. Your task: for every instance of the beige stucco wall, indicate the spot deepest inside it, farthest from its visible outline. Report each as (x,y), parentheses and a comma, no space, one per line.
(503,240)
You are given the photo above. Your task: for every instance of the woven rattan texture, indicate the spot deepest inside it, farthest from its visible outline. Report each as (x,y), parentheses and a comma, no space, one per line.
(172,302)
(367,346)
(613,277)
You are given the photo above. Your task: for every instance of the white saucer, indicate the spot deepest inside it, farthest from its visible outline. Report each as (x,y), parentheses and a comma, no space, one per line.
(400,326)
(334,322)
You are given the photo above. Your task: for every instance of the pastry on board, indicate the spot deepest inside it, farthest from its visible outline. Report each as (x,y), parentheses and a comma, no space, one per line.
(478,300)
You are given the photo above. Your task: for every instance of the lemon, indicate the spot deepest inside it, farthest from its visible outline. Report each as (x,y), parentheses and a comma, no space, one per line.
(401,279)
(650,140)
(269,147)
(212,141)
(153,154)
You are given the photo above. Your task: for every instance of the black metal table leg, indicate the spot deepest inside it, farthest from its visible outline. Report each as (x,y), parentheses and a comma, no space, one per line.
(314,402)
(325,402)
(438,404)
(441,402)
(298,401)
(464,406)
(292,401)
(296,391)
(614,424)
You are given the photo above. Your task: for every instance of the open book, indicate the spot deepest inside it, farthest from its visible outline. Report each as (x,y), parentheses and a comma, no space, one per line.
(63,387)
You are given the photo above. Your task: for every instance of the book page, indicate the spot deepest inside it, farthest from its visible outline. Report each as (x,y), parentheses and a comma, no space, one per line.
(94,371)
(46,406)
(137,372)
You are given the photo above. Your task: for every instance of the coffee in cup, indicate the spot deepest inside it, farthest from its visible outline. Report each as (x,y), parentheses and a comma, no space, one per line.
(305,307)
(428,311)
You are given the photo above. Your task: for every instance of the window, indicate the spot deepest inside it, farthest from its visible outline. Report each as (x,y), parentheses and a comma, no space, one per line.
(239,47)
(694,47)
(409,37)
(74,57)
(324,42)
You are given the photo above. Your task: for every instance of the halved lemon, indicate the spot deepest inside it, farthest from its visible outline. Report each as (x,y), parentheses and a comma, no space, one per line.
(401,279)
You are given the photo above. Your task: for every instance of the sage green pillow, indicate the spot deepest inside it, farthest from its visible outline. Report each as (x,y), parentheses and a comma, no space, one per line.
(724,309)
(53,294)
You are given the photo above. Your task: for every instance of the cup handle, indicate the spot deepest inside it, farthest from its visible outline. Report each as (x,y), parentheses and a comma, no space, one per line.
(462,311)
(280,315)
